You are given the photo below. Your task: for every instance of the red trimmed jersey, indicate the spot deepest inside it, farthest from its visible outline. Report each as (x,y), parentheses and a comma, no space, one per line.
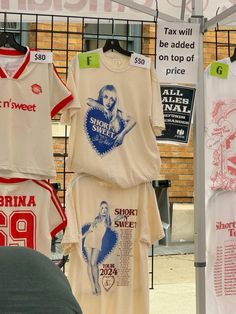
(30,214)
(31,93)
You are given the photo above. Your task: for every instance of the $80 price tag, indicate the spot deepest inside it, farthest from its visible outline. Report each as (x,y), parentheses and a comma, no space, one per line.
(41,57)
(139,60)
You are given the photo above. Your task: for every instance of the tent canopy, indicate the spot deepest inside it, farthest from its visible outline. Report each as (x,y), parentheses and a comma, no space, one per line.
(110,9)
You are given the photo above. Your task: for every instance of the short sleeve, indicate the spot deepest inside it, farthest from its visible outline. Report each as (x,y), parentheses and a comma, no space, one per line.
(71,235)
(156,114)
(57,217)
(60,95)
(72,84)
(151,225)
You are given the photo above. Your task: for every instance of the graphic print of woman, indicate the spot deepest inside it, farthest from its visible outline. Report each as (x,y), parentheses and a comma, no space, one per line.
(119,123)
(97,239)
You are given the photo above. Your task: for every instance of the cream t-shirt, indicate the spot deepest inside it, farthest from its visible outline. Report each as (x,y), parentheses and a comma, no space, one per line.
(31,94)
(115,117)
(111,276)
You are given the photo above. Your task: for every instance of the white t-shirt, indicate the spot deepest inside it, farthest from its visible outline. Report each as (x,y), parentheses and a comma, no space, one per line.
(113,133)
(31,93)
(221,253)
(220,130)
(108,236)
(30,214)
(220,178)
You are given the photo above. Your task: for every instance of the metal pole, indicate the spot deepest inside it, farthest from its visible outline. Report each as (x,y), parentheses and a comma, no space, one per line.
(199,171)
(144,9)
(220,17)
(182,14)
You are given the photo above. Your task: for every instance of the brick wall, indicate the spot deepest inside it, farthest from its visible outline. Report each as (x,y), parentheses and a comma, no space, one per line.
(226,40)
(177,161)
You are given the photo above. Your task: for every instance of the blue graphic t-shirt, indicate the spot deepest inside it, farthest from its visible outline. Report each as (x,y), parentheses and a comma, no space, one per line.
(114,124)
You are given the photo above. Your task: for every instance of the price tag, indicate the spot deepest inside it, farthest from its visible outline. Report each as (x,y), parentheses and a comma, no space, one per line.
(41,56)
(219,69)
(89,60)
(139,60)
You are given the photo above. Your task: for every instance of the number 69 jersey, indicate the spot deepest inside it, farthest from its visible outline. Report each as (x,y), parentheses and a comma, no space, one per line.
(30,214)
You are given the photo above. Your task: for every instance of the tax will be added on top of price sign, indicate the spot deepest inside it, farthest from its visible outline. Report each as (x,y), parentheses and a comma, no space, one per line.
(177,52)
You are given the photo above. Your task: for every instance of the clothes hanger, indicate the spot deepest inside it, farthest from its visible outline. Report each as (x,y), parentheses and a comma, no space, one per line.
(7,38)
(233,57)
(113,44)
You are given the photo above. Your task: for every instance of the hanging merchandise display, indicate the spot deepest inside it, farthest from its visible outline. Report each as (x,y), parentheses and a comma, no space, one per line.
(115,117)
(31,214)
(31,93)
(220,152)
(111,205)
(109,233)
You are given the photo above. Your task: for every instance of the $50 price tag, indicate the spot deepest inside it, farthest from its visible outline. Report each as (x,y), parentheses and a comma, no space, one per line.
(139,60)
(41,57)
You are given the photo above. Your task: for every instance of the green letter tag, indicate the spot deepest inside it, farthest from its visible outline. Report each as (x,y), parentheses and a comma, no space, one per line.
(219,69)
(89,60)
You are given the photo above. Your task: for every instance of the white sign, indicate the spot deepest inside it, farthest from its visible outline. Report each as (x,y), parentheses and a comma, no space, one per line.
(41,57)
(139,60)
(177,52)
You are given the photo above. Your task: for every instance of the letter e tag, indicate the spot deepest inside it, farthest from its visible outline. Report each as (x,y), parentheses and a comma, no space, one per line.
(219,69)
(89,60)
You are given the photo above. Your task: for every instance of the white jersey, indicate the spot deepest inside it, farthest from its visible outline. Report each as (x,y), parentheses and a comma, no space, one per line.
(30,214)
(108,236)
(114,117)
(31,93)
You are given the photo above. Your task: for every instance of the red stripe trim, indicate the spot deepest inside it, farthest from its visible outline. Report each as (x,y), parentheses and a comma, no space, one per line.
(53,193)
(10,52)
(44,184)
(12,180)
(2,73)
(58,228)
(61,105)
(23,66)
(55,70)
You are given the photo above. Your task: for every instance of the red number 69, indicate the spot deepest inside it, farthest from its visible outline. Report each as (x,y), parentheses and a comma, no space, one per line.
(21,227)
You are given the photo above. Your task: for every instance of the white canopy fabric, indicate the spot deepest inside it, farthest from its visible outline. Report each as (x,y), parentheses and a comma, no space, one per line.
(210,7)
(109,9)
